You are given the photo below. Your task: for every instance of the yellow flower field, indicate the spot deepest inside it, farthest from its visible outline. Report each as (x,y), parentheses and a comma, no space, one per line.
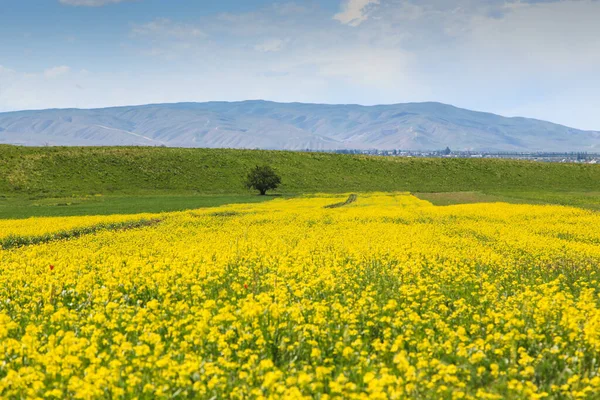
(46,225)
(387,297)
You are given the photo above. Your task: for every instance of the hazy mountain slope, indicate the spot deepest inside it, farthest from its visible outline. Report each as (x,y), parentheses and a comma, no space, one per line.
(268,125)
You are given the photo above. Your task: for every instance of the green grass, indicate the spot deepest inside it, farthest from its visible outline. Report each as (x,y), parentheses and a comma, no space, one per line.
(59,171)
(14,208)
(64,181)
(589,200)
(451,198)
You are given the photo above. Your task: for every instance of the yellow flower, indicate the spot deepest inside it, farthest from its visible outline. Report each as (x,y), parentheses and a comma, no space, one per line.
(388,297)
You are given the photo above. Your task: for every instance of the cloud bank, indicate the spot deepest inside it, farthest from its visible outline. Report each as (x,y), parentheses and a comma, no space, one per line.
(355,12)
(531,58)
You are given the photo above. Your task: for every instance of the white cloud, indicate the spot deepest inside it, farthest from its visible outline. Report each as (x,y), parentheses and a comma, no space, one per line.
(7,77)
(166,28)
(376,68)
(4,70)
(55,72)
(166,39)
(355,12)
(91,3)
(24,90)
(271,45)
(531,57)
(552,37)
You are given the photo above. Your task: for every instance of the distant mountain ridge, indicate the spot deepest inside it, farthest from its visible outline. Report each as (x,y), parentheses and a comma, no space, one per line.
(292,126)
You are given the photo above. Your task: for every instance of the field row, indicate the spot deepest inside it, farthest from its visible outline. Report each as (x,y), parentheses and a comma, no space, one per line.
(385,297)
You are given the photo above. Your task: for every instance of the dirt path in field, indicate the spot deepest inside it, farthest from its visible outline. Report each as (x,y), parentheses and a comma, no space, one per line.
(351,199)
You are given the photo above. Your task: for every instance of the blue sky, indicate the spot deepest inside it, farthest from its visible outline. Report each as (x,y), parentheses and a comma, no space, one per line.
(538,58)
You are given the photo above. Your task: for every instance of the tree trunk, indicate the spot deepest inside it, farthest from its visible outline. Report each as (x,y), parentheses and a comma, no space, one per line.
(263,192)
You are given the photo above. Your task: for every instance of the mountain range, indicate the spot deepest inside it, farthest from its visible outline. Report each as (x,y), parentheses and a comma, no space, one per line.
(292,126)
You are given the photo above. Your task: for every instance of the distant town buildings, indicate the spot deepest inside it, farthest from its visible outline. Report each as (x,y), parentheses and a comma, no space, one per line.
(574,157)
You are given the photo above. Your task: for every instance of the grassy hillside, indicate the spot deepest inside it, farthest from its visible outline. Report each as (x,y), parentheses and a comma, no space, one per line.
(56,172)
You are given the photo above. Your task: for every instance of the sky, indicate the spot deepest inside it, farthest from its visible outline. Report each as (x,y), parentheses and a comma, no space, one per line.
(533,58)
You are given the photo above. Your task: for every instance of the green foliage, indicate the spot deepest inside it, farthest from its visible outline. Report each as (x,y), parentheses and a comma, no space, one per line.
(263,178)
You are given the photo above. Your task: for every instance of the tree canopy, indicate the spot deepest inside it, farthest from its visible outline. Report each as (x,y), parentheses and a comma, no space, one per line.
(263,178)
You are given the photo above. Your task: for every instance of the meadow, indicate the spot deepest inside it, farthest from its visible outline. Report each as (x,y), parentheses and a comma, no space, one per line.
(388,296)
(63,181)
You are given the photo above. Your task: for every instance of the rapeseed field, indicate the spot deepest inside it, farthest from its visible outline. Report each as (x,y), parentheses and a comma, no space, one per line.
(388,297)
(47,225)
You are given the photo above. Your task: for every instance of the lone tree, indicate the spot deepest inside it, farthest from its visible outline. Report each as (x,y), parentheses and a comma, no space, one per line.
(262,178)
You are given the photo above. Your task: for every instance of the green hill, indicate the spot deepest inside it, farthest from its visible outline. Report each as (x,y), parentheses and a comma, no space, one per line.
(143,176)
(60,171)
